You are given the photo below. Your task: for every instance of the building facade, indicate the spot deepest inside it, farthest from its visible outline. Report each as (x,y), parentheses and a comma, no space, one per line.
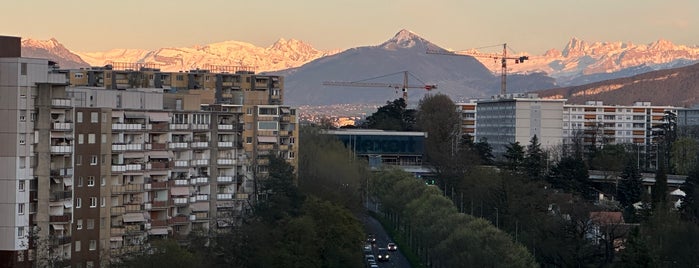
(106,159)
(510,118)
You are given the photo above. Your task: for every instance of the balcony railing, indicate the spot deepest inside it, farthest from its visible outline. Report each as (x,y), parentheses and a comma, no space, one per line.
(200,127)
(224,196)
(121,126)
(225,161)
(180,182)
(179,145)
(61,195)
(225,127)
(61,240)
(179,126)
(61,102)
(62,126)
(127,188)
(159,165)
(181,163)
(64,218)
(224,179)
(156,146)
(61,149)
(199,180)
(127,147)
(200,197)
(158,223)
(160,204)
(225,144)
(125,168)
(178,220)
(200,162)
(180,201)
(200,144)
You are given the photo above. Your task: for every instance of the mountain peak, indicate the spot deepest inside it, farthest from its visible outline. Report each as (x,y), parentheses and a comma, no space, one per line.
(574,47)
(406,39)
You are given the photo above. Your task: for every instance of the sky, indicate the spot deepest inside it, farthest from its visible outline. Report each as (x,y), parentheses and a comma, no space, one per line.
(531,26)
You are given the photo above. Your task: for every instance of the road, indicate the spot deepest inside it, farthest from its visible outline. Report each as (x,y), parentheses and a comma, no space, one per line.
(372,226)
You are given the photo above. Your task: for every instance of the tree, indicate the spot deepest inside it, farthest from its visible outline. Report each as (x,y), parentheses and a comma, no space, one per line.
(485,151)
(630,190)
(659,190)
(514,157)
(684,155)
(636,252)
(689,207)
(535,159)
(162,253)
(571,174)
(437,115)
(392,116)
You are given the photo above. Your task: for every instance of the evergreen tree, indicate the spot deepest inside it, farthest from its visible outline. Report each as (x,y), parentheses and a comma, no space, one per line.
(392,116)
(636,252)
(535,159)
(659,191)
(630,190)
(689,207)
(485,151)
(514,157)
(571,174)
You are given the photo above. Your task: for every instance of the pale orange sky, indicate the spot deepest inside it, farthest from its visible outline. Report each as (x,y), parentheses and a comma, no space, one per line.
(527,26)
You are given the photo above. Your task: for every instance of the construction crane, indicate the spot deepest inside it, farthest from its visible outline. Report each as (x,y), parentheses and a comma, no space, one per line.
(404,86)
(502,57)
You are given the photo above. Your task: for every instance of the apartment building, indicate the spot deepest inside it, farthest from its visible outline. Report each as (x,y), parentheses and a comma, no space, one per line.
(597,124)
(106,159)
(510,118)
(467,111)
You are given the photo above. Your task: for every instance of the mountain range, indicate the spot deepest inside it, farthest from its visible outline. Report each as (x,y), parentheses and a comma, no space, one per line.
(305,67)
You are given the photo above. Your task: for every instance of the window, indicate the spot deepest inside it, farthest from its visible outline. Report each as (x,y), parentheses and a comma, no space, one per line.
(93,160)
(22,139)
(22,115)
(104,138)
(103,222)
(20,185)
(81,139)
(90,264)
(93,202)
(291,155)
(268,125)
(93,244)
(292,140)
(94,117)
(104,117)
(78,203)
(20,231)
(79,224)
(77,246)
(104,159)
(91,138)
(79,183)
(90,180)
(103,202)
(248,139)
(103,181)
(249,111)
(179,77)
(78,75)
(79,117)
(78,160)
(32,116)
(20,209)
(23,68)
(90,224)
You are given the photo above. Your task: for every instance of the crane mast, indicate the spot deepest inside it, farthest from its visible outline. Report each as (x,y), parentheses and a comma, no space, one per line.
(502,57)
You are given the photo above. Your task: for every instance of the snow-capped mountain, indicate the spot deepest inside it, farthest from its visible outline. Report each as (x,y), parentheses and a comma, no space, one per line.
(581,62)
(283,54)
(459,77)
(53,50)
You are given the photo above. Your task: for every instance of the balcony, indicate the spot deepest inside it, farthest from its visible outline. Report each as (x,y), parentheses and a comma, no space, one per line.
(179,126)
(61,195)
(225,162)
(225,127)
(178,145)
(159,204)
(159,127)
(224,196)
(201,127)
(61,240)
(125,168)
(131,127)
(156,185)
(200,144)
(224,179)
(180,201)
(61,103)
(156,146)
(58,219)
(200,162)
(120,147)
(225,144)
(159,165)
(62,172)
(199,197)
(199,216)
(61,149)
(178,220)
(181,163)
(199,180)
(117,231)
(158,223)
(128,188)
(62,126)
(117,210)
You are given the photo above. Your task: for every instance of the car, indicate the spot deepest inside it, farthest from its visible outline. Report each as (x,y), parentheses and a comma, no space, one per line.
(373,265)
(369,258)
(367,248)
(383,255)
(371,238)
(391,246)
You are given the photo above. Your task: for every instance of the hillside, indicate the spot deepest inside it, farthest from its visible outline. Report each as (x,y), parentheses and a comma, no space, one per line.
(677,87)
